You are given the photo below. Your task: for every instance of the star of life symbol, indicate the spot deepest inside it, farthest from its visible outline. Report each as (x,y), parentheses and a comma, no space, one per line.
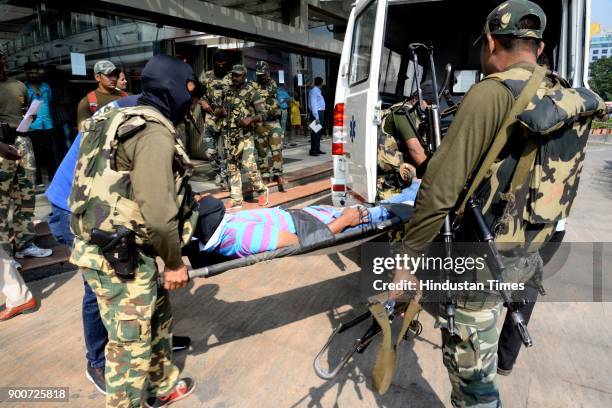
(352,126)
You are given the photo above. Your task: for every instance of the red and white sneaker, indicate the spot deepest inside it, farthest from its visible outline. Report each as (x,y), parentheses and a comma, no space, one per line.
(184,387)
(263,198)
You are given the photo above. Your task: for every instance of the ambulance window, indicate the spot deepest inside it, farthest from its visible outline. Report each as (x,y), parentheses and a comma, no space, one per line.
(389,71)
(464,80)
(410,84)
(361,47)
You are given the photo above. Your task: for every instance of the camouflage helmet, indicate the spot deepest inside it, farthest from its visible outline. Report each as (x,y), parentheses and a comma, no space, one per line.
(504,20)
(238,69)
(262,68)
(105,67)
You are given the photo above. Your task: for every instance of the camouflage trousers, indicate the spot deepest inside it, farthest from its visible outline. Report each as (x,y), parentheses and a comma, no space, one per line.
(138,319)
(241,155)
(17,183)
(216,153)
(269,136)
(471,357)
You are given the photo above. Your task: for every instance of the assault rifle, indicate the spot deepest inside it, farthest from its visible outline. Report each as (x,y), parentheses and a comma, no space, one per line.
(474,219)
(431,116)
(228,117)
(392,309)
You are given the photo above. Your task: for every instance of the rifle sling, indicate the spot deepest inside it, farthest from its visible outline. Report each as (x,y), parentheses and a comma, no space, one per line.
(386,359)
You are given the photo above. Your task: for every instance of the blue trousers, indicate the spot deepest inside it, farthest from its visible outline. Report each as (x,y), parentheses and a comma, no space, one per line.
(94,331)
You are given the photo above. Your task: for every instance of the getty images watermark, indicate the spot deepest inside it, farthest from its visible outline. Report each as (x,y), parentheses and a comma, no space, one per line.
(423,263)
(573,272)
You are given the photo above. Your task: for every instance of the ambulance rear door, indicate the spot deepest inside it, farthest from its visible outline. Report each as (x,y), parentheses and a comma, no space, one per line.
(362,110)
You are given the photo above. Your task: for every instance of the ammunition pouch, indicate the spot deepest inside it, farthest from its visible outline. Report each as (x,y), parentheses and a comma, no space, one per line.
(119,250)
(7,134)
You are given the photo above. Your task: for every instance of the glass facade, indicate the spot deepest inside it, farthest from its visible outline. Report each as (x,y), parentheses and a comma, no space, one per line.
(58,38)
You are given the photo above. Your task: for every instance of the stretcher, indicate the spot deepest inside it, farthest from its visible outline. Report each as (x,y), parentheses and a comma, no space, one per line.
(313,235)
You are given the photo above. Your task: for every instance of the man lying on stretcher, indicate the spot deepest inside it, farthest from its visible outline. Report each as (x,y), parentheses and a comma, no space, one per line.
(247,232)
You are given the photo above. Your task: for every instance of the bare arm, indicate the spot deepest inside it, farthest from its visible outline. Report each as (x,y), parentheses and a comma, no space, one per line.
(351,217)
(416,151)
(286,239)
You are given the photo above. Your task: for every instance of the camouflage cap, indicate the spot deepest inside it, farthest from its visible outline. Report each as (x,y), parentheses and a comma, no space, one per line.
(504,20)
(238,69)
(262,68)
(105,67)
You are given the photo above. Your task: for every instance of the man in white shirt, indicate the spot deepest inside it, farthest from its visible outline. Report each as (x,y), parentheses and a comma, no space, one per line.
(317,110)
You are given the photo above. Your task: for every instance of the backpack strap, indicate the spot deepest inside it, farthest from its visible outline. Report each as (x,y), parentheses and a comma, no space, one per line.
(502,137)
(92,99)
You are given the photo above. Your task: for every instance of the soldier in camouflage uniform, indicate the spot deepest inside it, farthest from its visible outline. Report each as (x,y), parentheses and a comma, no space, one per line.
(213,83)
(268,134)
(400,151)
(242,108)
(17,178)
(132,175)
(521,199)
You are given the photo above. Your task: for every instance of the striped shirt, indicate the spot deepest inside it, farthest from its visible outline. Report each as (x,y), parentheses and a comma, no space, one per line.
(253,231)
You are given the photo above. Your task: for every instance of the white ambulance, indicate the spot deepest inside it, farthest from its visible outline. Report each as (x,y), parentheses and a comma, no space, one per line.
(375,69)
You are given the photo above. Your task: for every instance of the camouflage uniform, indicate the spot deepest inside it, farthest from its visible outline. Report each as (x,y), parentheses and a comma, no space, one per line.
(17,178)
(556,124)
(17,182)
(213,94)
(520,223)
(269,134)
(238,143)
(392,150)
(136,313)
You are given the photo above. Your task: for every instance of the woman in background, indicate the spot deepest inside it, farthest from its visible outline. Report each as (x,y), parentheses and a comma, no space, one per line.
(122,83)
(296,118)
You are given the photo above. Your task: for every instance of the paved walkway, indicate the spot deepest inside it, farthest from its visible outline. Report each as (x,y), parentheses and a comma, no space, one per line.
(256,331)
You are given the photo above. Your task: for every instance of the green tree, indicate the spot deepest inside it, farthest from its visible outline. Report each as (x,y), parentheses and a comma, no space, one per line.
(601,77)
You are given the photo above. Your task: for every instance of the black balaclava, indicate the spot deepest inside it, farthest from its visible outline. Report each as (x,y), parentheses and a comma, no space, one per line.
(211,212)
(164,86)
(221,64)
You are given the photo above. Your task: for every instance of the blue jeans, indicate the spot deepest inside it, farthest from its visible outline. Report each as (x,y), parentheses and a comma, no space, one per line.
(94,331)
(283,121)
(379,213)
(59,224)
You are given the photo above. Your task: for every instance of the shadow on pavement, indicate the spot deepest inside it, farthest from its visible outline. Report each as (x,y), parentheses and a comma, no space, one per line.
(223,322)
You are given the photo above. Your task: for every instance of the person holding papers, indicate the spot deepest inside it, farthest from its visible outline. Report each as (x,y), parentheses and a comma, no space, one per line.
(17,177)
(317,110)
